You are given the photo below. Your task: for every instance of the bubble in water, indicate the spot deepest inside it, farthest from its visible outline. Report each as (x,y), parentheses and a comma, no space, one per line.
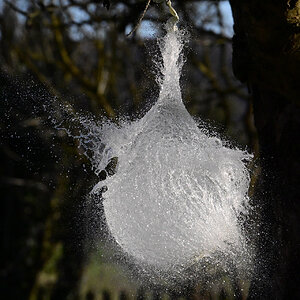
(177,194)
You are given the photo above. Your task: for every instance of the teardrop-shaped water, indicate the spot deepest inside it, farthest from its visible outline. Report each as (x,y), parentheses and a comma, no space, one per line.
(178,193)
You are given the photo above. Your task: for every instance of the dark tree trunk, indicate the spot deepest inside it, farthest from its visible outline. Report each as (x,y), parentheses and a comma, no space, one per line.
(266,55)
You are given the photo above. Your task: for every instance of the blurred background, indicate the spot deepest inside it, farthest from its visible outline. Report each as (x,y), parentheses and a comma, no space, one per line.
(78,52)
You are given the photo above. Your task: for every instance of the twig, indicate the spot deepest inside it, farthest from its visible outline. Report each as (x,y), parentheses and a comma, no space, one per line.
(140,19)
(15,8)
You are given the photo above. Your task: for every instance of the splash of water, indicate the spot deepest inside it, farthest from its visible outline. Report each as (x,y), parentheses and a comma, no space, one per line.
(178,194)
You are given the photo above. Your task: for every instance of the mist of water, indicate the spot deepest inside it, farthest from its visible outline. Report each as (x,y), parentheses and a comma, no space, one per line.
(179,194)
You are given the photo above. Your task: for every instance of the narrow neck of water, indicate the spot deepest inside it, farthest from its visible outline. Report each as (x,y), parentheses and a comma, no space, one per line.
(171,49)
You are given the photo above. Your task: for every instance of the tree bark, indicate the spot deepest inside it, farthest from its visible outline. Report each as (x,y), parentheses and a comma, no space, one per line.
(266,55)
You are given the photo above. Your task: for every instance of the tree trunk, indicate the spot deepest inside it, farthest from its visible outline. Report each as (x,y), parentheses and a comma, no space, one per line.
(266,55)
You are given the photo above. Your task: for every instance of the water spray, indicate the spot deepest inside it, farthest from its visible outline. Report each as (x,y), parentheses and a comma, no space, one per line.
(179,195)
(173,195)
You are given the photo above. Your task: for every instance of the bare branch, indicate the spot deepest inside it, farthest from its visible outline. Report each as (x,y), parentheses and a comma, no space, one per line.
(140,19)
(15,8)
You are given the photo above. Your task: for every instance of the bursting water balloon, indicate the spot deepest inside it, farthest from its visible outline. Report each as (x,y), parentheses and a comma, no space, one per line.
(177,194)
